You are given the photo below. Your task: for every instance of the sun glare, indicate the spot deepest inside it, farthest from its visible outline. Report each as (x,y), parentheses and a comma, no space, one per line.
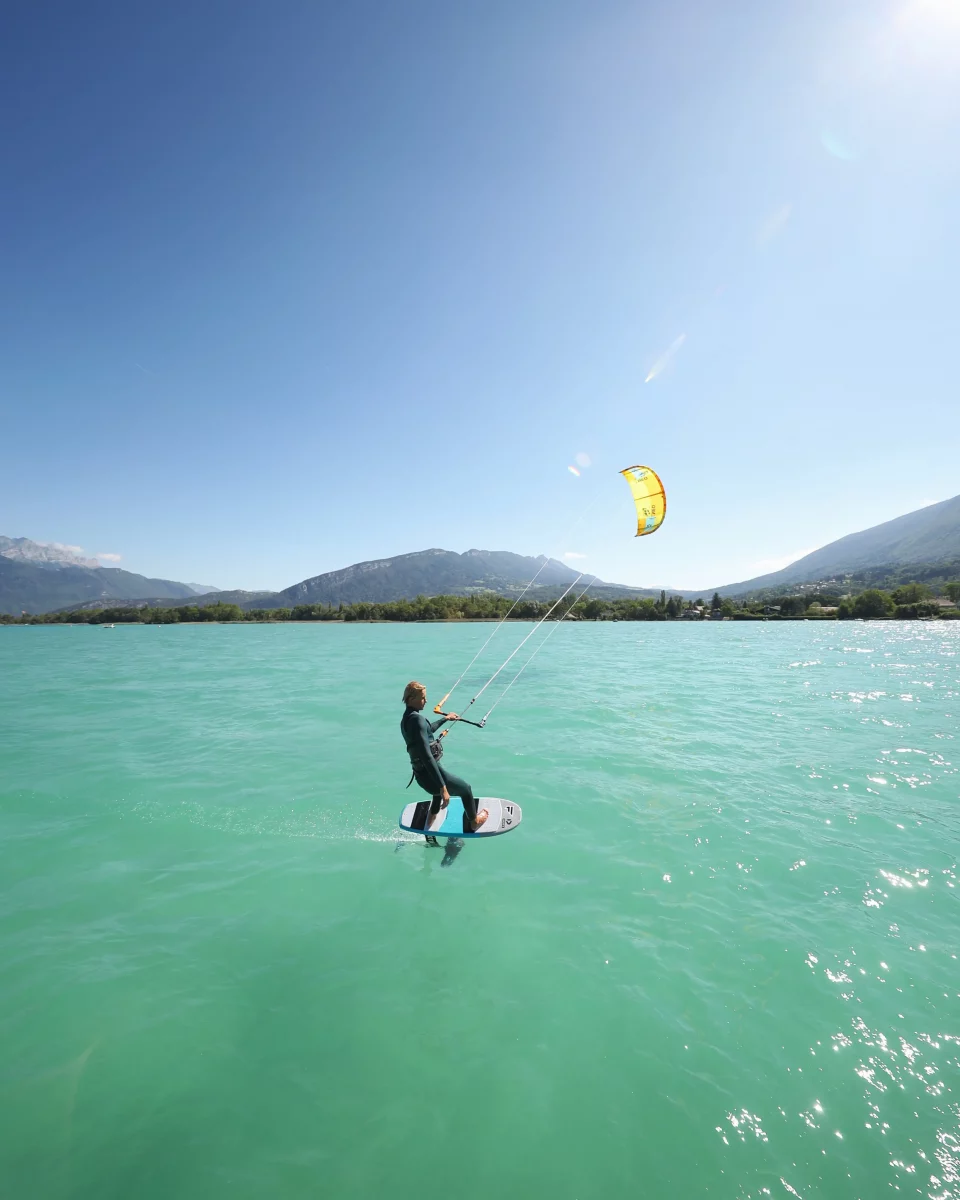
(921,34)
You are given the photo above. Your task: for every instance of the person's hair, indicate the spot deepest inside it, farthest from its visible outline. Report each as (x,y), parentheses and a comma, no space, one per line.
(413,689)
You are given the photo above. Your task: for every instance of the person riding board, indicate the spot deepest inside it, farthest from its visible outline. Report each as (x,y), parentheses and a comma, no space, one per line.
(423,749)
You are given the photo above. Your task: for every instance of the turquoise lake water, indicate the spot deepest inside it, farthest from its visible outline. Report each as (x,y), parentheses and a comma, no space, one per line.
(718,958)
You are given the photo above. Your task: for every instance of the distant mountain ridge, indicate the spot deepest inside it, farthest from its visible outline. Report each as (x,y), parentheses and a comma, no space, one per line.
(44,554)
(425,573)
(406,576)
(430,572)
(33,578)
(927,535)
(44,584)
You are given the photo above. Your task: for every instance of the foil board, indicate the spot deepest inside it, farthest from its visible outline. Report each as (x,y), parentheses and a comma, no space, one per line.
(505,815)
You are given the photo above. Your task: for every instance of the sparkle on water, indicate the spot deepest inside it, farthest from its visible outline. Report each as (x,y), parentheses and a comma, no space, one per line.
(718,958)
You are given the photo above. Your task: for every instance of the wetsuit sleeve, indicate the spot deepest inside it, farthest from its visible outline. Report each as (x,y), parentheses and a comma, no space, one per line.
(433,726)
(432,770)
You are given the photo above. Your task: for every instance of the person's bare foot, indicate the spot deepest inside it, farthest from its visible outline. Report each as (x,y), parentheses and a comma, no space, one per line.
(481,817)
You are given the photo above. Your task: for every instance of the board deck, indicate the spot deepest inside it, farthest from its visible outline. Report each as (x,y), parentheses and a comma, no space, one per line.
(504,816)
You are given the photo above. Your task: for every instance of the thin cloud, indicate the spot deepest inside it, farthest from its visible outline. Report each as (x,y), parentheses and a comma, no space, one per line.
(572,554)
(105,557)
(665,358)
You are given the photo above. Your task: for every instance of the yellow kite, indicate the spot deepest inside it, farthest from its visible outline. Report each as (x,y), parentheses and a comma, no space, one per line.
(649,497)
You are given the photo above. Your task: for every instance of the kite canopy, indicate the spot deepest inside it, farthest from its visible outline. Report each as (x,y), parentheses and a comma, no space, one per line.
(649,497)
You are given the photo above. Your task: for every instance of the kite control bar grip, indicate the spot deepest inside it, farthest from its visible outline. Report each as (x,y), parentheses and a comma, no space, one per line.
(475,724)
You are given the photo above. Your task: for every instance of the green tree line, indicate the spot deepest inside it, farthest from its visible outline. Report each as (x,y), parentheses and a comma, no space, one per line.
(910,601)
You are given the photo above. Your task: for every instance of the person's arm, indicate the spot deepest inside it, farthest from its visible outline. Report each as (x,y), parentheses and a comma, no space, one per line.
(433,771)
(433,726)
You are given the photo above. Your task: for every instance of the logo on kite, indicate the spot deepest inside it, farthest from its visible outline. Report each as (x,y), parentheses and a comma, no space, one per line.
(648,496)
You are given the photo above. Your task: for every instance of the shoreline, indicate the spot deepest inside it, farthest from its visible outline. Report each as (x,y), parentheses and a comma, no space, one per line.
(38,622)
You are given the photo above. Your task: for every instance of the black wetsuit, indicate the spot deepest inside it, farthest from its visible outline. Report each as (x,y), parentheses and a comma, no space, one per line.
(418,734)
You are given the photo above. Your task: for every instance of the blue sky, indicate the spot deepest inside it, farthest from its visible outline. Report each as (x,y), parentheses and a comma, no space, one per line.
(288,286)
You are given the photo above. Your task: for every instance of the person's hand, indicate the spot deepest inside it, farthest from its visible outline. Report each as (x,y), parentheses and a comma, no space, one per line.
(452,717)
(445,797)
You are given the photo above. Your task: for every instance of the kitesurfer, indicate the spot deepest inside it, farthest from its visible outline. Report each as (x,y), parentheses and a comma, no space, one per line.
(424,751)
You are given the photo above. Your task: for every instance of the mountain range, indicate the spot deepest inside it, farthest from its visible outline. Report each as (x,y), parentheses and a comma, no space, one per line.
(42,577)
(39,577)
(436,572)
(426,572)
(44,554)
(928,535)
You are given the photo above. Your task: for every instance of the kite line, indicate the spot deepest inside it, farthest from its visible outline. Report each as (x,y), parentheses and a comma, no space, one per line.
(496,629)
(512,655)
(556,625)
(651,507)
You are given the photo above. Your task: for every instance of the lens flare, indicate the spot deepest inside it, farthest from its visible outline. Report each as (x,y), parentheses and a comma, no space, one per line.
(837,146)
(774,225)
(583,460)
(574,471)
(664,360)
